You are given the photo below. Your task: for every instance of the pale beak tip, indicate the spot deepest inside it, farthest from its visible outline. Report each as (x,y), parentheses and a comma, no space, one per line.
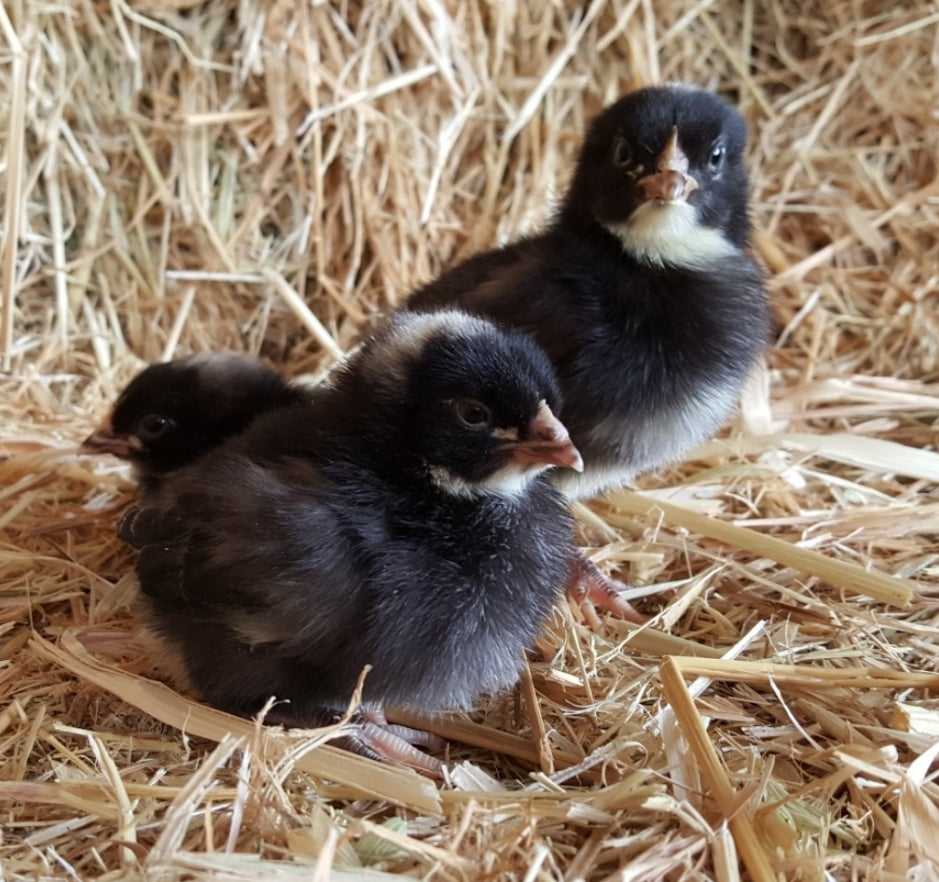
(106,440)
(91,444)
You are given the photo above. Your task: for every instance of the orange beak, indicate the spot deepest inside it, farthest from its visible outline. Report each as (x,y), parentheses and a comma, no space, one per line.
(105,440)
(670,182)
(547,443)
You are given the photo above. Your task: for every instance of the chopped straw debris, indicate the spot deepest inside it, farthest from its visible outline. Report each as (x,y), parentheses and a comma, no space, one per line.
(266,177)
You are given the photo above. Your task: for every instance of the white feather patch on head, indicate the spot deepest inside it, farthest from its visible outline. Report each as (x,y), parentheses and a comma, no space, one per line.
(221,372)
(670,233)
(220,358)
(679,86)
(219,363)
(401,342)
(411,330)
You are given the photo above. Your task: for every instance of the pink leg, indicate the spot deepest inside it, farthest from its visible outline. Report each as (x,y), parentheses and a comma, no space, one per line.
(418,738)
(590,589)
(374,737)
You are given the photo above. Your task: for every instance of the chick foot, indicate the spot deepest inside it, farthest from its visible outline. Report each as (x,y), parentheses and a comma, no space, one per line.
(590,589)
(373,736)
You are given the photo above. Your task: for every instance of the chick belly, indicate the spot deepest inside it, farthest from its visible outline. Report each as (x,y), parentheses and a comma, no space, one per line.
(450,672)
(444,670)
(434,635)
(441,665)
(242,679)
(621,446)
(470,637)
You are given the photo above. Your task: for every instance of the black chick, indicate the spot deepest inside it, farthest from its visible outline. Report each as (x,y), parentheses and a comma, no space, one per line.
(401,521)
(641,291)
(172,413)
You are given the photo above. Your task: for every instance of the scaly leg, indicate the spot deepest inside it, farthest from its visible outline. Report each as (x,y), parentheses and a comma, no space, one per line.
(369,734)
(378,739)
(590,588)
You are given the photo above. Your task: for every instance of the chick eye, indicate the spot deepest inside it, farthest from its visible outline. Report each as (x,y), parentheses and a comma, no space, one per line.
(622,152)
(473,414)
(152,426)
(716,157)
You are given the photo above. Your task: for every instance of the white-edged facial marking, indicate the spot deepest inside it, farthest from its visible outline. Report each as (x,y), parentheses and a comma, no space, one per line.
(509,482)
(662,233)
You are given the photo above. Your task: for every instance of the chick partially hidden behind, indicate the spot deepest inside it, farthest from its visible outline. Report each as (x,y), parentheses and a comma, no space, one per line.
(641,291)
(400,519)
(174,412)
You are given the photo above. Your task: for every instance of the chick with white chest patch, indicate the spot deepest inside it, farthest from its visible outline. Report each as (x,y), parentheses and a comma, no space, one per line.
(641,291)
(403,520)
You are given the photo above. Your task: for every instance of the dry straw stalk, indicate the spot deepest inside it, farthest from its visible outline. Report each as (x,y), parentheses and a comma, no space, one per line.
(181,176)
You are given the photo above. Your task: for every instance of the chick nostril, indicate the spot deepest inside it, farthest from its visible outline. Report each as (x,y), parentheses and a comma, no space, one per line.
(552,432)
(548,433)
(668,186)
(673,184)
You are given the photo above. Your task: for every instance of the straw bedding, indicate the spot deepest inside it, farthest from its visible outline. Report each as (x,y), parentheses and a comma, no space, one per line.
(266,177)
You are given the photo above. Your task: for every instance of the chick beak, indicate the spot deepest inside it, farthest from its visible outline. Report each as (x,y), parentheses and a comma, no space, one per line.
(105,440)
(546,442)
(670,182)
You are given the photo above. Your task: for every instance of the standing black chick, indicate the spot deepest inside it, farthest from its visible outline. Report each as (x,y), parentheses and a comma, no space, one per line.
(172,413)
(401,521)
(641,291)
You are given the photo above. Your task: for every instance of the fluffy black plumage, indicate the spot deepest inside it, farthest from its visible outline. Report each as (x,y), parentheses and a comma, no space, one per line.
(401,521)
(172,413)
(641,291)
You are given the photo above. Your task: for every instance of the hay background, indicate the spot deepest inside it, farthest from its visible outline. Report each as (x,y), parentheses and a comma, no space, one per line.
(319,160)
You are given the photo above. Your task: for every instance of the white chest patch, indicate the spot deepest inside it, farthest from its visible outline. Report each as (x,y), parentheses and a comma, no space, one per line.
(669,233)
(661,437)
